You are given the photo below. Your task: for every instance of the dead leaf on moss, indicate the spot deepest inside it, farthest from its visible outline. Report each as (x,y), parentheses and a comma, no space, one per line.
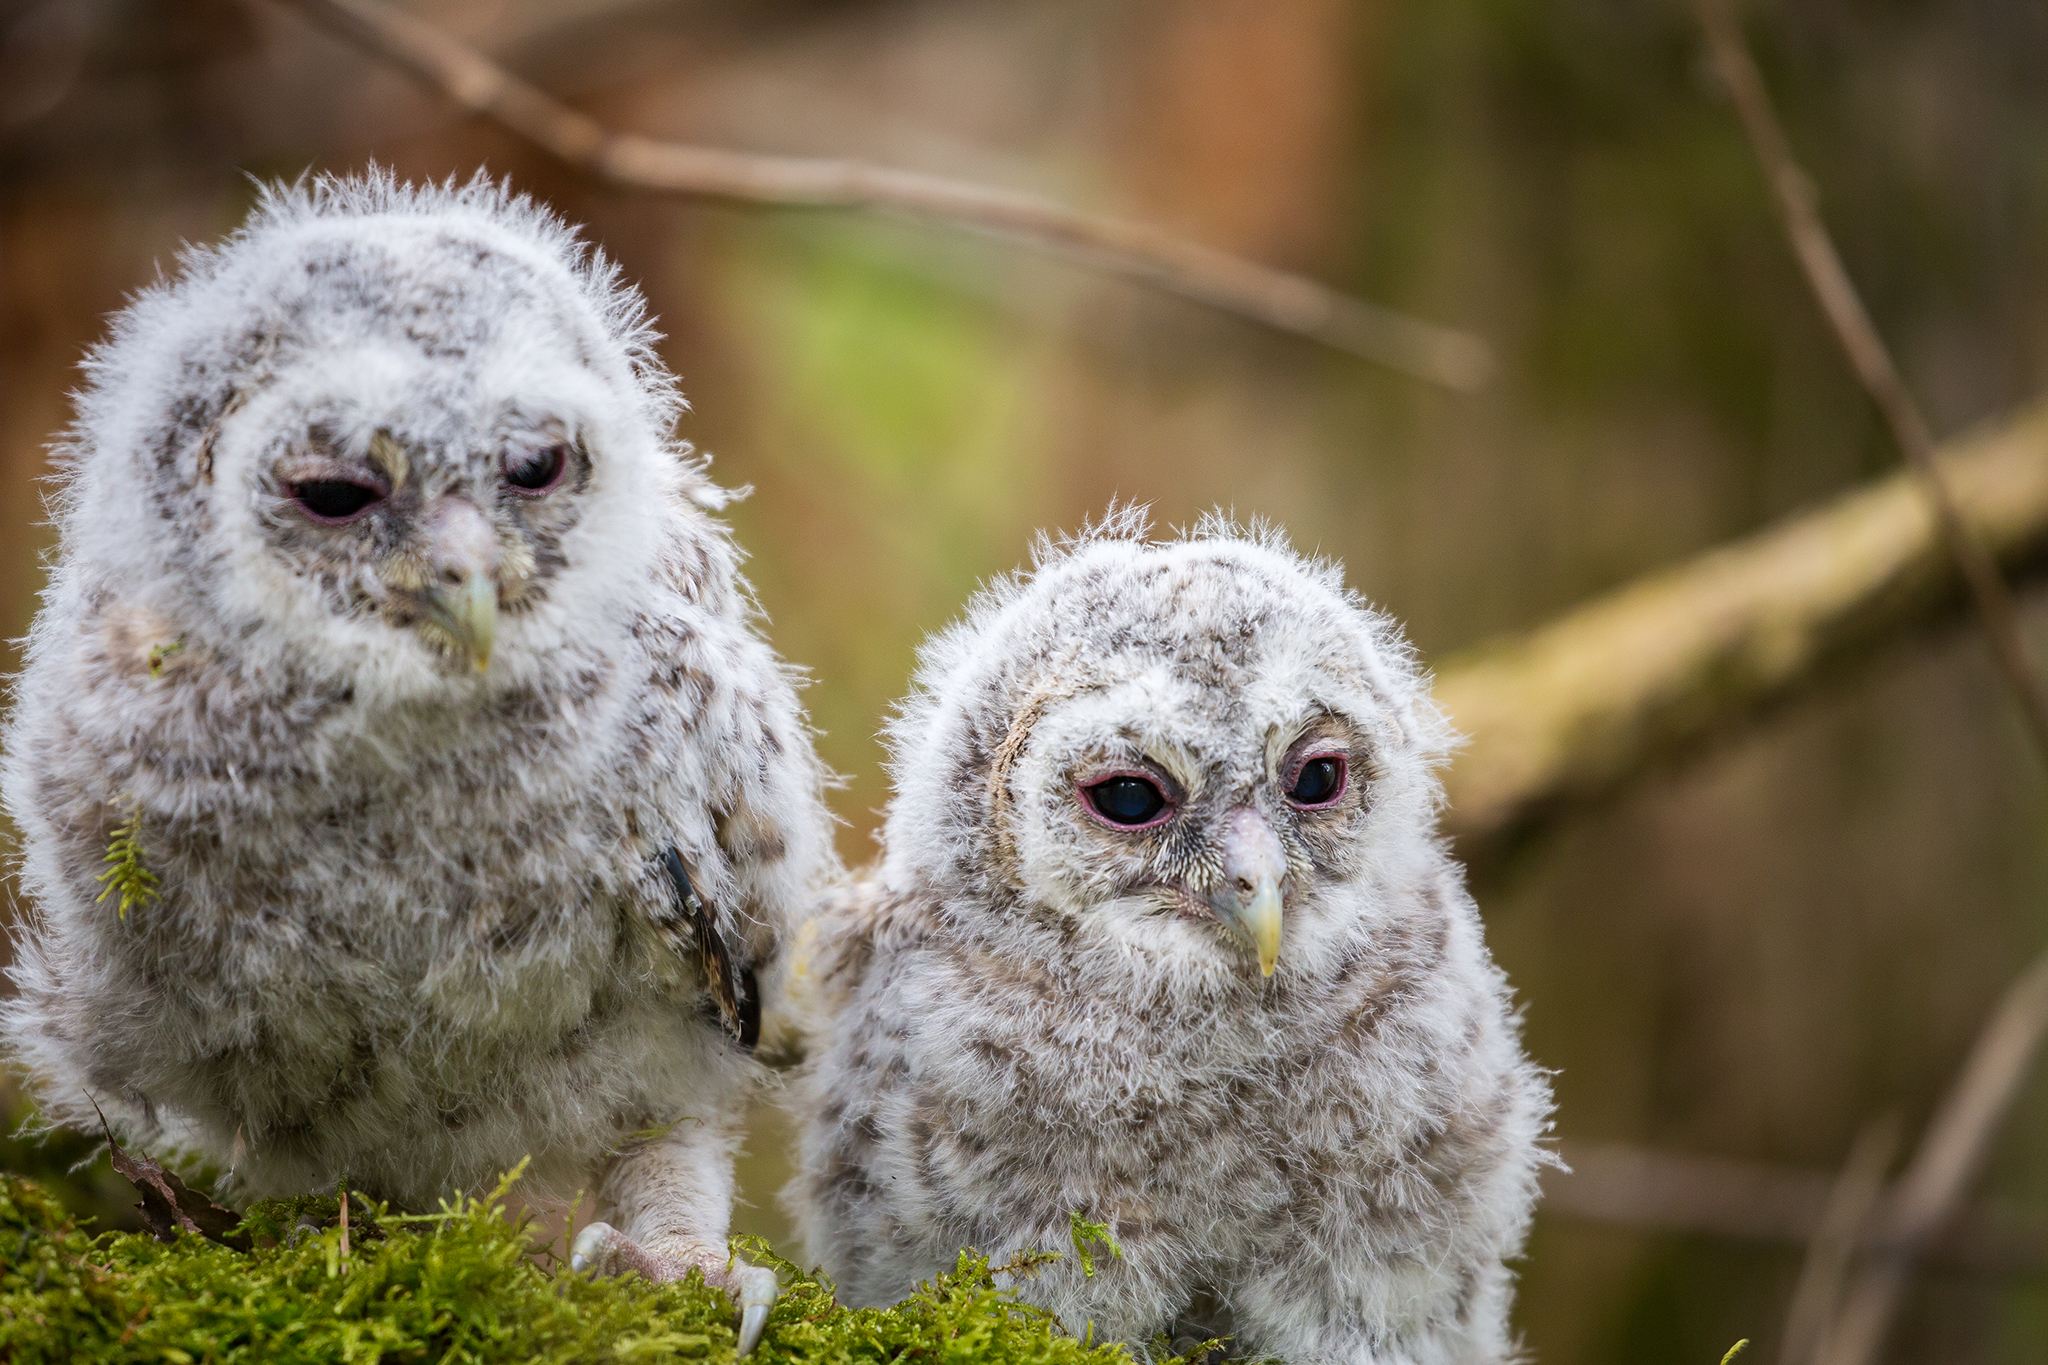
(169,1206)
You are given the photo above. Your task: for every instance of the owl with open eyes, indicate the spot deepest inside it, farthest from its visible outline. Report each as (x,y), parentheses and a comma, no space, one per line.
(1163,935)
(404,786)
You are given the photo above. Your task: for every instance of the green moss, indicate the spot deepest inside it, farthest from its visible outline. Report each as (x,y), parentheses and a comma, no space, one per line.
(128,874)
(1087,1234)
(464,1285)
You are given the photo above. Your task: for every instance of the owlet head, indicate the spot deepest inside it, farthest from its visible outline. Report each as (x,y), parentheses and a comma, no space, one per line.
(413,431)
(1187,745)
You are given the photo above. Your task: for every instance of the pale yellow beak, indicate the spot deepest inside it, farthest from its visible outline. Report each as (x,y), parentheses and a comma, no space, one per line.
(1249,901)
(468,610)
(461,591)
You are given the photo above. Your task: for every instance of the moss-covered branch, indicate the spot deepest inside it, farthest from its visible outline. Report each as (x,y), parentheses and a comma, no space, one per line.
(1576,707)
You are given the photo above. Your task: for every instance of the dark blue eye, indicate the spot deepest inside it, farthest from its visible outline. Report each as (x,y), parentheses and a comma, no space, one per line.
(1126,800)
(335,499)
(1320,781)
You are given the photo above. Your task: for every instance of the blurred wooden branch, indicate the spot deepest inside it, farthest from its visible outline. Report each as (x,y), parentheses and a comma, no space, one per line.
(1659,1191)
(1934,1184)
(1277,298)
(1920,1216)
(1574,708)
(1832,1253)
(1871,359)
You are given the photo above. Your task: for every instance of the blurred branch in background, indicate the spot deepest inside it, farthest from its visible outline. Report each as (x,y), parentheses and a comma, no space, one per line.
(1276,298)
(1932,1188)
(1849,1216)
(1955,1144)
(1832,1253)
(1661,1191)
(1871,359)
(1573,709)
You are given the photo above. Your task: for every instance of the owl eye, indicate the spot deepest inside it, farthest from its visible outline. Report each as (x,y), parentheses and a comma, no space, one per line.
(1128,801)
(1320,781)
(335,499)
(536,471)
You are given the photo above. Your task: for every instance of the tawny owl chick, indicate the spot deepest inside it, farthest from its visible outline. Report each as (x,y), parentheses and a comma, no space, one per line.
(1163,934)
(456,800)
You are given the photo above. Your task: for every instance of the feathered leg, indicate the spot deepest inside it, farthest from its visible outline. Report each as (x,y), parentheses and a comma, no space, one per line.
(670,1200)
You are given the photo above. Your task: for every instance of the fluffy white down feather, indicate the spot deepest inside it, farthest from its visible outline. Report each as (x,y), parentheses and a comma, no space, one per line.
(1023,1012)
(410,928)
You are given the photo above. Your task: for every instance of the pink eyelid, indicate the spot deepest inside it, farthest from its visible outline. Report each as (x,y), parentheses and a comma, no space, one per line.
(1166,812)
(1343,781)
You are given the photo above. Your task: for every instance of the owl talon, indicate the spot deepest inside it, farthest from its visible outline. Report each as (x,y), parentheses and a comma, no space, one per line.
(602,1249)
(754,1288)
(589,1247)
(753,1319)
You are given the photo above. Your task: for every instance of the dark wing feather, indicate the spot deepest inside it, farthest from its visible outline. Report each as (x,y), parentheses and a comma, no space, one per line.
(731,978)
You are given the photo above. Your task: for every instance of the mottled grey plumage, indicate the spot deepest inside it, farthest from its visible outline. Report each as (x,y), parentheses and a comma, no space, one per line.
(389,615)
(1027,1011)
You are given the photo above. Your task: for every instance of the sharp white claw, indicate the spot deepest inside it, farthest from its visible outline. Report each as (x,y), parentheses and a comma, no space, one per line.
(583,1253)
(601,1249)
(753,1318)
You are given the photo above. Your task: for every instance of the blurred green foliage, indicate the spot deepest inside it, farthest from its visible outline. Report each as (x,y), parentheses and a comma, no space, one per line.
(901,430)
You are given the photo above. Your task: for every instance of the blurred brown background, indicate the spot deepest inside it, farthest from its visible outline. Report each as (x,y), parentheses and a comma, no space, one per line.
(1751,953)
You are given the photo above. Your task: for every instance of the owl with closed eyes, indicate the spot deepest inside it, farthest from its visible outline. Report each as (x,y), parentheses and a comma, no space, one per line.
(1163,935)
(405,788)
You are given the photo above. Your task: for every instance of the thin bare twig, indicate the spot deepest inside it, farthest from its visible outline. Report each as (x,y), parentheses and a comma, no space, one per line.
(1949,1157)
(1829,1255)
(1872,361)
(1277,298)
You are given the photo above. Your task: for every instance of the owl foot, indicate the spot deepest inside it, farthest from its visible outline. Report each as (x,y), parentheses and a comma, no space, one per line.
(602,1249)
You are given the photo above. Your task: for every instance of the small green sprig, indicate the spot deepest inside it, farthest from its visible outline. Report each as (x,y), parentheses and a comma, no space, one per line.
(127,875)
(1087,1234)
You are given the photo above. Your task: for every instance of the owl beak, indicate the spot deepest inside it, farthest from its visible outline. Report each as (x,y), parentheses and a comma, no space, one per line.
(469,611)
(462,584)
(1249,900)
